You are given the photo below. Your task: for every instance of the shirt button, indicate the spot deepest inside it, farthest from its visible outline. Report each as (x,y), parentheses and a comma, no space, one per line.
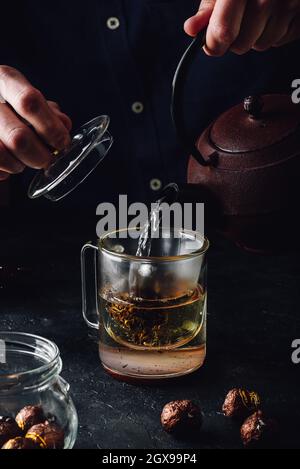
(137,107)
(155,184)
(113,23)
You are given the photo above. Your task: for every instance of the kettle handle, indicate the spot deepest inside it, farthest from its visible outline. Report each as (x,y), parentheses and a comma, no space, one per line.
(178,95)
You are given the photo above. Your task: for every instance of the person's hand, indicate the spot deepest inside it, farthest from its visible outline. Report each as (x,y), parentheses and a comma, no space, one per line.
(241,25)
(29,125)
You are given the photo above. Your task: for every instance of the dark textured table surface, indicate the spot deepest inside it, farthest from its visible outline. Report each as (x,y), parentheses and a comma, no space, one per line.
(253,319)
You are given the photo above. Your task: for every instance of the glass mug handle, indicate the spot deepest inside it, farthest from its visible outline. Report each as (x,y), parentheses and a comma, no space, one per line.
(89,295)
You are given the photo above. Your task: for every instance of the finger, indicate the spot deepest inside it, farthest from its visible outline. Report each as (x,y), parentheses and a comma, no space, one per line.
(275,30)
(61,115)
(277,27)
(198,22)
(65,120)
(21,141)
(8,162)
(54,105)
(256,17)
(3,176)
(292,34)
(30,104)
(224,26)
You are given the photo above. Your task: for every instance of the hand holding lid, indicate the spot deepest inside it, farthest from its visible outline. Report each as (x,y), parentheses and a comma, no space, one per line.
(73,165)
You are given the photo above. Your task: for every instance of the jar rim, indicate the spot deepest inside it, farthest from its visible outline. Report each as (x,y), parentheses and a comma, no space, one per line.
(31,346)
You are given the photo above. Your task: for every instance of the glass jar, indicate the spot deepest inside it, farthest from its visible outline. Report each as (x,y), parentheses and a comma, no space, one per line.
(30,369)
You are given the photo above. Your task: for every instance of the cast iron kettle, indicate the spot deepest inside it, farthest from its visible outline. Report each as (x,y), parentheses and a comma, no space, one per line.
(245,166)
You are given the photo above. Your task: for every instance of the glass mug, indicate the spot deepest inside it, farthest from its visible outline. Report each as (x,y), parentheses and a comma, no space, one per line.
(151,311)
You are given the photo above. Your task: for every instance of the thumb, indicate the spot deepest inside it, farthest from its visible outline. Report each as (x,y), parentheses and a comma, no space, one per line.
(196,23)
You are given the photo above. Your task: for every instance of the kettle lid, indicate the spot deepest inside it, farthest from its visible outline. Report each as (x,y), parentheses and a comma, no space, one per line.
(258,123)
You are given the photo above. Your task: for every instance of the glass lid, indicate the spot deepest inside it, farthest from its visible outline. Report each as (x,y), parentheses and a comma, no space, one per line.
(72,166)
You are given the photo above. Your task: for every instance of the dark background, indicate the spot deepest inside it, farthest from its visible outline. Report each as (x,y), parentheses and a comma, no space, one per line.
(253,313)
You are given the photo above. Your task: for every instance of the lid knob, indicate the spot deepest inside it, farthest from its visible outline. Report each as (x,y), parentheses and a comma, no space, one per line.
(254,105)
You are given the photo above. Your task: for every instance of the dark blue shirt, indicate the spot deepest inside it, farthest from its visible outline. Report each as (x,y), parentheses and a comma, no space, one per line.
(118,57)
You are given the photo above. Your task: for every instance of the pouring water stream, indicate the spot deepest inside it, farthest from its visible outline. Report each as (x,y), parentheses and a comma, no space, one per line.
(169,195)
